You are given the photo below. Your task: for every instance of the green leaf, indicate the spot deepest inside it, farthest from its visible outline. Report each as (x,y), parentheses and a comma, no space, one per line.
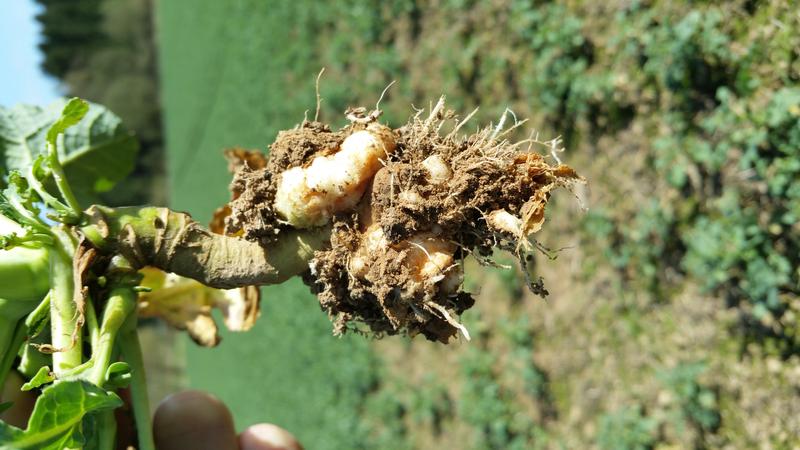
(8,434)
(72,113)
(19,203)
(38,318)
(5,406)
(57,418)
(90,430)
(43,376)
(96,151)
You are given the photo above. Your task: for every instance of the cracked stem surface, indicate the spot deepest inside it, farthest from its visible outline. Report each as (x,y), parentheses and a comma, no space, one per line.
(174,242)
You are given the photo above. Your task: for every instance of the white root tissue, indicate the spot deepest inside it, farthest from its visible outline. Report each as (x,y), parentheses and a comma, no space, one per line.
(307,197)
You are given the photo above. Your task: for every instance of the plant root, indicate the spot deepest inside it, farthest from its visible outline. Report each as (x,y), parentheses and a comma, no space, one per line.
(393,261)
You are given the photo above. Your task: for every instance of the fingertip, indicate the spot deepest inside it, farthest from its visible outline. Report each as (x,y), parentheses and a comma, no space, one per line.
(196,420)
(266,436)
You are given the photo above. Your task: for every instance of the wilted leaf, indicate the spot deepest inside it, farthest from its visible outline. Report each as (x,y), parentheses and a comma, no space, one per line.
(97,151)
(533,211)
(217,224)
(240,307)
(187,305)
(238,158)
(152,278)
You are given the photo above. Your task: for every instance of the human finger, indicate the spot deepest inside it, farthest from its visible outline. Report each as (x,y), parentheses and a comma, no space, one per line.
(266,436)
(196,420)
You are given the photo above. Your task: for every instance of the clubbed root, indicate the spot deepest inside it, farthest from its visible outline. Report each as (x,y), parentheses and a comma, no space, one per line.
(406,207)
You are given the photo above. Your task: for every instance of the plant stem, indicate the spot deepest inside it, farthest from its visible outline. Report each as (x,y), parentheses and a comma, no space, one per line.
(63,311)
(173,242)
(48,199)
(106,420)
(106,430)
(120,305)
(61,180)
(91,324)
(132,354)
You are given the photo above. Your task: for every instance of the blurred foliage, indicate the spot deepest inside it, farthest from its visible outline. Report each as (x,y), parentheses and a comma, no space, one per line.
(104,51)
(481,397)
(70,32)
(385,417)
(490,408)
(720,106)
(626,429)
(685,402)
(691,402)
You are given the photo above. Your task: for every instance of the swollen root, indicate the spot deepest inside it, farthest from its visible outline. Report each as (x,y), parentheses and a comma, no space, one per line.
(390,287)
(405,207)
(428,259)
(424,270)
(308,196)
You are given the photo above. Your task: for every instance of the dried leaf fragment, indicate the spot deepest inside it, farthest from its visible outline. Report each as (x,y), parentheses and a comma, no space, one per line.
(187,305)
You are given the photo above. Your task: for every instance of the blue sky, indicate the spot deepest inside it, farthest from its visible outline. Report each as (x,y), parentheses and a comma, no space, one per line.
(21,79)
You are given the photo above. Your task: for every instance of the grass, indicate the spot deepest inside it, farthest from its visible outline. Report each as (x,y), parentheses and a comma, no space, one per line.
(225,78)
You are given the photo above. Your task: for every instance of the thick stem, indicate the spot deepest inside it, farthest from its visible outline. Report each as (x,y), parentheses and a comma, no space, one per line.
(132,354)
(173,242)
(63,312)
(23,274)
